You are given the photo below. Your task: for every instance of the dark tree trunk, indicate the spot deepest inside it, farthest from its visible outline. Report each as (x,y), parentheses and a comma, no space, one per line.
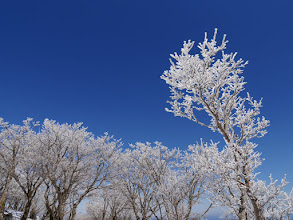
(27,209)
(3,198)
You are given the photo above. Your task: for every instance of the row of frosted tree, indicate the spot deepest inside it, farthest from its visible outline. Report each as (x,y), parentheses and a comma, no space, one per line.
(49,169)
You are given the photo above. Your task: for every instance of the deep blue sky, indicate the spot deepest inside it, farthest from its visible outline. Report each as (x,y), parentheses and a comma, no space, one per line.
(100,62)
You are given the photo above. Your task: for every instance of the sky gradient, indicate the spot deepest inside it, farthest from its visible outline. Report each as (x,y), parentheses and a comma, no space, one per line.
(100,62)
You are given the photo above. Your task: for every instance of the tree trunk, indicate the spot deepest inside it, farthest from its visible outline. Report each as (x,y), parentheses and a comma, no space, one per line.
(242,209)
(33,214)
(27,209)
(134,210)
(190,204)
(73,212)
(256,209)
(3,198)
(60,212)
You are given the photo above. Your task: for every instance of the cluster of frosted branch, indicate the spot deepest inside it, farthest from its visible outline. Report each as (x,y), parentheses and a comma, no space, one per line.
(60,165)
(64,162)
(207,83)
(211,81)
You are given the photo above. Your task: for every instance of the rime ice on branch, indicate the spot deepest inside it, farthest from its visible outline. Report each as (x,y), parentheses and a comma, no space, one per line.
(211,81)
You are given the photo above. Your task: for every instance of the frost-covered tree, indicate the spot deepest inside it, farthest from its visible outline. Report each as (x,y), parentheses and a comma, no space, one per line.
(28,174)
(211,82)
(16,200)
(108,203)
(153,182)
(182,184)
(133,181)
(155,162)
(75,164)
(2,177)
(13,141)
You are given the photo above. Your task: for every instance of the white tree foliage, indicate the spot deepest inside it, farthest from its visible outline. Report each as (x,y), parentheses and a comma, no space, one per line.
(133,180)
(211,81)
(52,170)
(63,162)
(108,203)
(14,142)
(160,183)
(75,164)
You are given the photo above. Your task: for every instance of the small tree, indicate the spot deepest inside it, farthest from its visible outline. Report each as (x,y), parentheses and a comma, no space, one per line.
(75,164)
(211,82)
(156,162)
(13,143)
(134,183)
(108,203)
(28,173)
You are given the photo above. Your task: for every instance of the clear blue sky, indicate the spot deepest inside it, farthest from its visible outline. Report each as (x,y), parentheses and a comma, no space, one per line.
(100,62)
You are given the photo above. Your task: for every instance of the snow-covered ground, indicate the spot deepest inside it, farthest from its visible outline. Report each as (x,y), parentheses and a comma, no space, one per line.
(16,215)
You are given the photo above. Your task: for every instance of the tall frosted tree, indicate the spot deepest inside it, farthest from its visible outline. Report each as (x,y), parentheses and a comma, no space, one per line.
(212,82)
(14,139)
